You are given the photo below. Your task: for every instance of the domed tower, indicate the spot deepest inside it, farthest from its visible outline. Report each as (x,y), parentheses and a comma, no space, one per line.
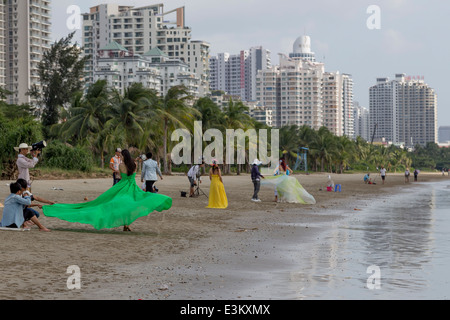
(302,49)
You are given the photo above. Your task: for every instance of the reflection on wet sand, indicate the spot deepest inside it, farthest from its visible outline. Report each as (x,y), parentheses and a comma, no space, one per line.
(399,234)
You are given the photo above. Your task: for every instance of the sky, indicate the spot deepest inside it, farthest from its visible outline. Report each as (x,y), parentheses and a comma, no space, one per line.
(410,36)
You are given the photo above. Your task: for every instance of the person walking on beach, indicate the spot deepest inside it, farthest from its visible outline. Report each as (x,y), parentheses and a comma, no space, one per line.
(416,173)
(256,179)
(24,163)
(383,173)
(407,174)
(150,172)
(114,166)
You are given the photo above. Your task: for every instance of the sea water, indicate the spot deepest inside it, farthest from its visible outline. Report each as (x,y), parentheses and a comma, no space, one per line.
(398,247)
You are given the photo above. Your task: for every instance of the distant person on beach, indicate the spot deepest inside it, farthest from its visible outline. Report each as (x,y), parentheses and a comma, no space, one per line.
(407,174)
(256,179)
(14,215)
(367,179)
(24,163)
(383,173)
(416,173)
(114,166)
(150,173)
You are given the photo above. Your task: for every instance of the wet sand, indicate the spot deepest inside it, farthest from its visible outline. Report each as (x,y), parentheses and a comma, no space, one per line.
(188,252)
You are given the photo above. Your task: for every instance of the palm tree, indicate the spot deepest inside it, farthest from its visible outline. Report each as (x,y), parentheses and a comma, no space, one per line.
(130,113)
(173,112)
(86,115)
(235,116)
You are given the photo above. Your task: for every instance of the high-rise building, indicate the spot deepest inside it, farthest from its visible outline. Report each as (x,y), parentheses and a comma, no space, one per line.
(444,134)
(302,49)
(236,74)
(27,36)
(141,29)
(361,116)
(403,111)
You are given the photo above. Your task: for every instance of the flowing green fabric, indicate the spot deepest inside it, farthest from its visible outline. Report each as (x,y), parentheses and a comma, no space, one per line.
(119,206)
(289,189)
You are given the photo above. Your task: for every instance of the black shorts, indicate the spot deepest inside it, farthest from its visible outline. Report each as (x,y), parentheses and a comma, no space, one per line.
(192,181)
(383,177)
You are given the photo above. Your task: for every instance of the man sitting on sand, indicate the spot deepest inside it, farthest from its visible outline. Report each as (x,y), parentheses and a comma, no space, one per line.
(367,179)
(13,213)
(28,211)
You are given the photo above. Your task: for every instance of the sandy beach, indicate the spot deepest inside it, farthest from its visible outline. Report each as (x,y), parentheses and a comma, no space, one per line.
(188,252)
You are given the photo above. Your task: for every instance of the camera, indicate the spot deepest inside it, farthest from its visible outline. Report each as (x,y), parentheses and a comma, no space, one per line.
(38,146)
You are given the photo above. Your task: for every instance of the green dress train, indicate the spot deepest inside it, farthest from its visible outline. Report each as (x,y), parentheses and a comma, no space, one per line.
(119,206)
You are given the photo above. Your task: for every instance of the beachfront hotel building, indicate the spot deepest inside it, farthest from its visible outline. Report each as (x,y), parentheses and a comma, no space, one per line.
(236,74)
(403,111)
(300,92)
(26,35)
(139,30)
(154,70)
(338,113)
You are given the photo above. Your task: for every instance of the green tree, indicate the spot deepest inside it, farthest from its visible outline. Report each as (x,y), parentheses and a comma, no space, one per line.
(60,72)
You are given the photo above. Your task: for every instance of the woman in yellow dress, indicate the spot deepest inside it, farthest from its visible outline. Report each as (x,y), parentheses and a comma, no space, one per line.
(217,196)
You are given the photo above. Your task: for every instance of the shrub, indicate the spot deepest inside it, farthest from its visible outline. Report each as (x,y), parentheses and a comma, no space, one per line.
(63,156)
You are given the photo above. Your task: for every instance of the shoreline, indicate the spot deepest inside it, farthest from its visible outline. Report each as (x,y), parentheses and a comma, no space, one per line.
(188,252)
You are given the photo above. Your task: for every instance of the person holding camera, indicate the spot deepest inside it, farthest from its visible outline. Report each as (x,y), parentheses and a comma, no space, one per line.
(24,163)
(193,174)
(150,172)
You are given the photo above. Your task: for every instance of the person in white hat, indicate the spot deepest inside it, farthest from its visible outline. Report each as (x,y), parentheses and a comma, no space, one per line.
(24,163)
(256,179)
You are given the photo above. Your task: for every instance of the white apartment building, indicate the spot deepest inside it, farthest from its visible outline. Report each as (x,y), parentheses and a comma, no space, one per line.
(293,91)
(154,69)
(361,116)
(403,111)
(260,113)
(142,29)
(236,74)
(27,36)
(121,70)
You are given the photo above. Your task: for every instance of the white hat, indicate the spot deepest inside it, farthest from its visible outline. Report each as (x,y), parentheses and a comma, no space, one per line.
(22,146)
(118,150)
(256,162)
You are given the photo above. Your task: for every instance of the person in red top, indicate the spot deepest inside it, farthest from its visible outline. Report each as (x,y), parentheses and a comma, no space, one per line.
(114,166)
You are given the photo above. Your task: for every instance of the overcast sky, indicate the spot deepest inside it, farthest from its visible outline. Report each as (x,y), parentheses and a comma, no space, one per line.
(413,37)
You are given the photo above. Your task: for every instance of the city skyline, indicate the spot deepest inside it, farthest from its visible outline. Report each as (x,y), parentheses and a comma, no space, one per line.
(408,41)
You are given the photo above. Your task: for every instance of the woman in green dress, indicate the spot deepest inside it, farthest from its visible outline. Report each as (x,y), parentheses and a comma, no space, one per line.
(119,206)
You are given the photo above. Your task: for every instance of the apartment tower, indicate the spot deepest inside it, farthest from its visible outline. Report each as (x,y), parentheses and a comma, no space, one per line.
(27,36)
(403,111)
(141,29)
(236,74)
